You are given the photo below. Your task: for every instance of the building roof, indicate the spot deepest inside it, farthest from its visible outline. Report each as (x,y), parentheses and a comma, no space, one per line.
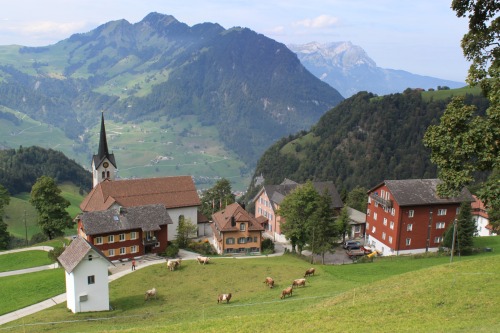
(146,218)
(355,216)
(276,193)
(227,219)
(417,192)
(103,152)
(478,208)
(171,192)
(75,253)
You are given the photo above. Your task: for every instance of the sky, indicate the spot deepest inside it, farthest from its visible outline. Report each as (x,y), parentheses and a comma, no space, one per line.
(418,36)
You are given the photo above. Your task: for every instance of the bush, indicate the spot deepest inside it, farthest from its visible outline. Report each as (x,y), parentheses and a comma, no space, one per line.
(267,246)
(172,251)
(203,247)
(55,253)
(38,238)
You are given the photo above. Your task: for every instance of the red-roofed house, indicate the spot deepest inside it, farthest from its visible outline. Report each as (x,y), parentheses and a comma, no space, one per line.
(236,231)
(480,216)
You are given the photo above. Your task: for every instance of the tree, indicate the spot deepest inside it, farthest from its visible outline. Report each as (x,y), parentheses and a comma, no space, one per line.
(297,209)
(4,234)
(358,199)
(53,218)
(217,197)
(185,230)
(472,142)
(342,223)
(465,230)
(322,229)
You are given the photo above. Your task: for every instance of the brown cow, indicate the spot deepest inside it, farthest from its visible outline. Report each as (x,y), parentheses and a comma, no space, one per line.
(203,260)
(299,282)
(269,281)
(150,294)
(287,291)
(309,272)
(223,297)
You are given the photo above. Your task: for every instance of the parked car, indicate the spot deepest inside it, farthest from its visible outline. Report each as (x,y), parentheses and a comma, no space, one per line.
(350,244)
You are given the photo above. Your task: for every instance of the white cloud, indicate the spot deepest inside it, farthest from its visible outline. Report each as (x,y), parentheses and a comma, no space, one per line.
(321,21)
(47,27)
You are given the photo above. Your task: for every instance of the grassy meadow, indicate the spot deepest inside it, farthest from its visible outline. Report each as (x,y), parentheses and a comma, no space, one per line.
(22,260)
(397,294)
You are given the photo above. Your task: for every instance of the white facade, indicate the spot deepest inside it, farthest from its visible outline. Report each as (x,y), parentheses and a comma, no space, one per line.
(87,286)
(190,214)
(385,250)
(105,171)
(481,223)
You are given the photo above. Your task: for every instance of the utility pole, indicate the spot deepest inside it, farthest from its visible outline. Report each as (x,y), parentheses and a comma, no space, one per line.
(453,241)
(25,227)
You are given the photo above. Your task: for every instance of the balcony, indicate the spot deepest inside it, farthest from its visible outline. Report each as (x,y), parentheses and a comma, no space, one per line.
(379,200)
(149,241)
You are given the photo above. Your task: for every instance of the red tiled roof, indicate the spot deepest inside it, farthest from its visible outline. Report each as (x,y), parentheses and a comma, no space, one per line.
(172,192)
(478,208)
(223,218)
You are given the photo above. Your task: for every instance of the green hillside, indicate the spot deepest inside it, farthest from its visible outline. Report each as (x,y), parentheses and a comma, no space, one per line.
(397,294)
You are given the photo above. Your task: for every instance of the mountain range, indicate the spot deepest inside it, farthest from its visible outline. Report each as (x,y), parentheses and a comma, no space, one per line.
(349,69)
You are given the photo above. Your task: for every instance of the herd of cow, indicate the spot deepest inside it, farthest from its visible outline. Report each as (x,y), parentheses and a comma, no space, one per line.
(172,264)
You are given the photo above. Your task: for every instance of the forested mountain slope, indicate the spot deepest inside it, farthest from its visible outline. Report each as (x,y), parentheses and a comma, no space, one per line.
(363,141)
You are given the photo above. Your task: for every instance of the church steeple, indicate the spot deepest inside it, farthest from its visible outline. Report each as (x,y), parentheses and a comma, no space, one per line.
(103,164)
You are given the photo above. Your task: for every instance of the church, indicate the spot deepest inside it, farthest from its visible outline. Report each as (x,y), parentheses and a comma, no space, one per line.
(132,217)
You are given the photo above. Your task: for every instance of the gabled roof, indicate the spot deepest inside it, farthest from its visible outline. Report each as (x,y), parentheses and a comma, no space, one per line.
(276,193)
(103,152)
(355,216)
(223,219)
(76,252)
(146,218)
(417,192)
(171,192)
(478,208)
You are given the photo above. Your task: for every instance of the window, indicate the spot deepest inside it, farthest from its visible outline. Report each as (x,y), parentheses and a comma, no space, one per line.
(134,249)
(91,279)
(111,252)
(383,235)
(409,227)
(376,204)
(368,212)
(230,240)
(392,225)
(242,240)
(111,238)
(103,174)
(440,225)
(122,237)
(408,241)
(438,239)
(441,212)
(390,239)
(98,240)
(374,216)
(242,227)
(133,235)
(393,211)
(373,229)
(123,250)
(385,220)
(357,228)
(411,213)
(369,200)
(457,210)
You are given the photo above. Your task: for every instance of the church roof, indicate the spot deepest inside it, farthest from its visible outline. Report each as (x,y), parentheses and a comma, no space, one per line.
(76,252)
(171,192)
(103,152)
(146,218)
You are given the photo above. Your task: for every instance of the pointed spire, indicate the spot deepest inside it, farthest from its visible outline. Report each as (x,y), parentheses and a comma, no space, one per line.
(103,143)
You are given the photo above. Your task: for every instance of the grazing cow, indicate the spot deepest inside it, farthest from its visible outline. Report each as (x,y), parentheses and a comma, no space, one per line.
(299,282)
(269,281)
(287,291)
(310,272)
(150,294)
(223,297)
(172,264)
(203,260)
